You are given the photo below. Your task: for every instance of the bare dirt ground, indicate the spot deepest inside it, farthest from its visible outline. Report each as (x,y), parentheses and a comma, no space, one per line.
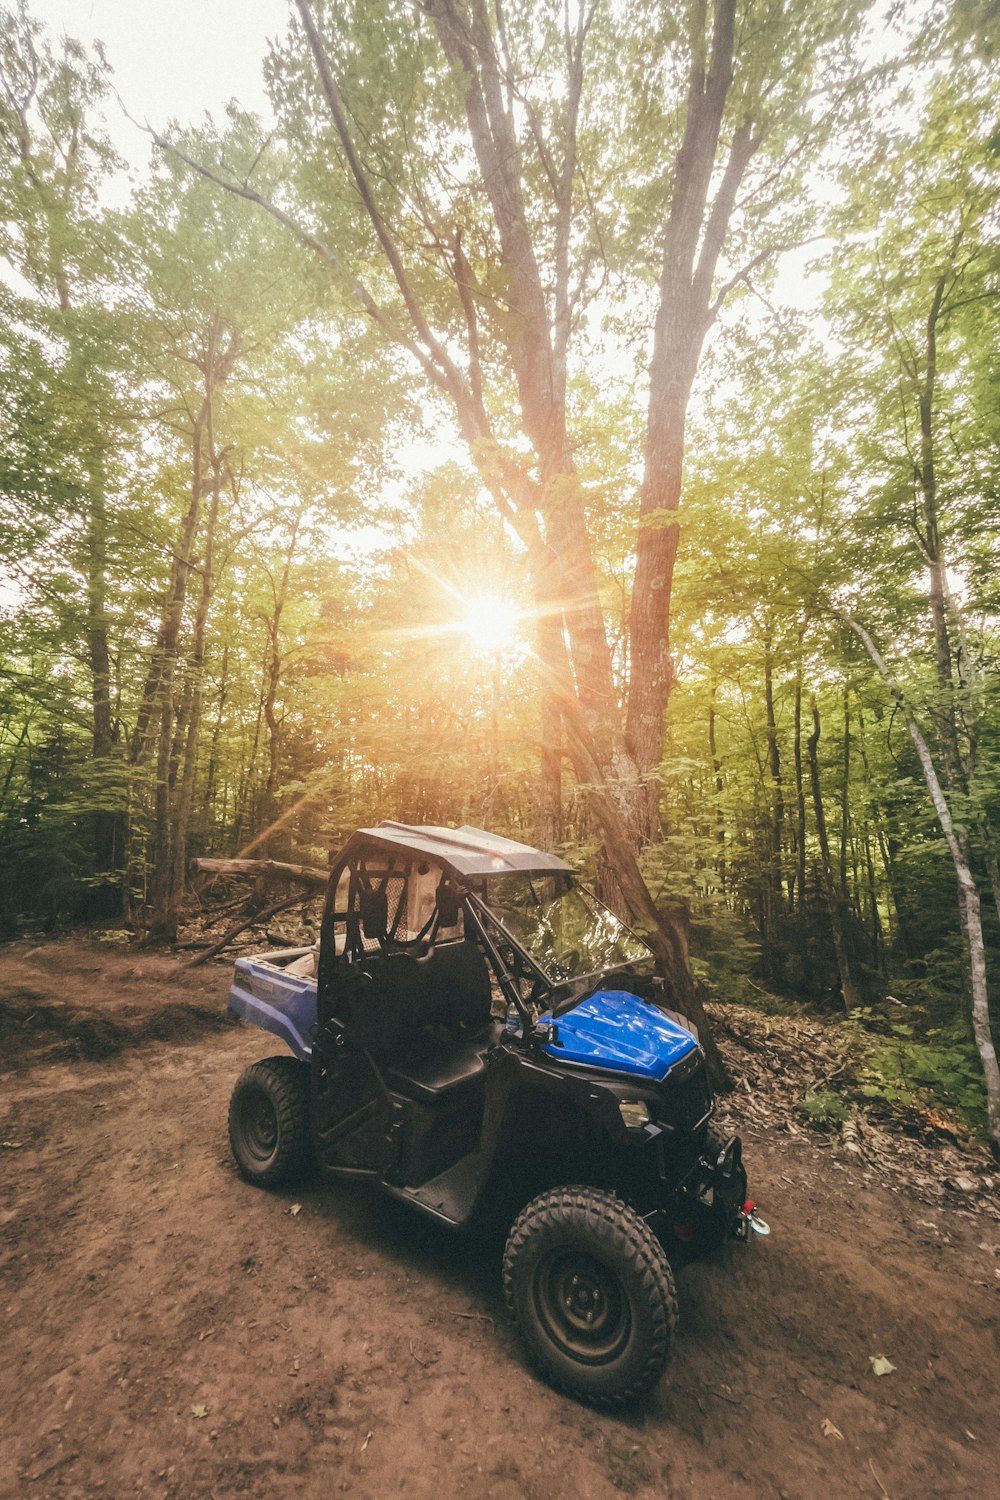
(169,1331)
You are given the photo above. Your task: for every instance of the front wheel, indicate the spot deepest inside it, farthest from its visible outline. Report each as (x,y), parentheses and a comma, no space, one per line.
(592,1294)
(269,1121)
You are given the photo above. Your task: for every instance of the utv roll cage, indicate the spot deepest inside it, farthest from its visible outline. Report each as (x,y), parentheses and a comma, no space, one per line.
(467,858)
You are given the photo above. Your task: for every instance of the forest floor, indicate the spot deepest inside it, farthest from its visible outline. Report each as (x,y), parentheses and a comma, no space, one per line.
(169,1331)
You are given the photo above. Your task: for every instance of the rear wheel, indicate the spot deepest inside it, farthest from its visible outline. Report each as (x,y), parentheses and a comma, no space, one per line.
(592,1294)
(269,1121)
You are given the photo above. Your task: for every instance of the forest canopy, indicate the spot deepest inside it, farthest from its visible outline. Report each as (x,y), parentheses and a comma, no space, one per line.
(575,420)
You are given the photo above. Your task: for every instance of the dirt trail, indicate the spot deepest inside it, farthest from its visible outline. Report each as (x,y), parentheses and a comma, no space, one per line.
(169,1331)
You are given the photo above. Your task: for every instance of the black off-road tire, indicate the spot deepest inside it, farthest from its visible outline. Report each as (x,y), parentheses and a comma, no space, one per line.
(269,1121)
(592,1294)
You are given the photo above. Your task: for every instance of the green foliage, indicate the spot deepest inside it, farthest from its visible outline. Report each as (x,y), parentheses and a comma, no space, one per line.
(824,1110)
(911,1062)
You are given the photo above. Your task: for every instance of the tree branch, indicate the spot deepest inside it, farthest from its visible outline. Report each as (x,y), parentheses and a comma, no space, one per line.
(331,93)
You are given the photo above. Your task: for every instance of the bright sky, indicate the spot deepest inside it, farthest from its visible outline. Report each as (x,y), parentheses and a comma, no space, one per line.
(173,58)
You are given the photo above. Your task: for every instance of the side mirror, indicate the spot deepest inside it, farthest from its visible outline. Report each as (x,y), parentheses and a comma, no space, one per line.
(374,906)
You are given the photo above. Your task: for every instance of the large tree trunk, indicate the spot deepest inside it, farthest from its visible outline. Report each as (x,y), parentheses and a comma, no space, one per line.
(695,232)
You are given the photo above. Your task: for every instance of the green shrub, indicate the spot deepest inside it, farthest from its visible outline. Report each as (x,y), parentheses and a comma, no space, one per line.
(823,1109)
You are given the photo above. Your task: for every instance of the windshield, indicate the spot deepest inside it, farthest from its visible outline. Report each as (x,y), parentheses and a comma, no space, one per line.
(562,927)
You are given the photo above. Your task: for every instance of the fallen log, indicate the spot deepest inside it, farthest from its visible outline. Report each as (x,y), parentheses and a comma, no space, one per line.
(256,920)
(258,868)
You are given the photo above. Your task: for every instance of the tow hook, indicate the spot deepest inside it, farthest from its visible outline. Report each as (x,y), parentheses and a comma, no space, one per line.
(750,1222)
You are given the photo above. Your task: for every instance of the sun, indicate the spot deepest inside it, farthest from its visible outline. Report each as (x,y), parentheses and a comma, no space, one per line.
(492,625)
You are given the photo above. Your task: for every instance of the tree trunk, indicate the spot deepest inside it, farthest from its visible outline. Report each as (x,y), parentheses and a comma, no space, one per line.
(693,240)
(665,929)
(845,794)
(310,875)
(159,677)
(933,549)
(109,823)
(160,687)
(720,786)
(213,754)
(774,766)
(269,811)
(196,671)
(548,819)
(800,796)
(848,991)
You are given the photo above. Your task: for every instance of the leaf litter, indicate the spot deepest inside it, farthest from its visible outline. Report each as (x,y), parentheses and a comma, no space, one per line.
(777,1061)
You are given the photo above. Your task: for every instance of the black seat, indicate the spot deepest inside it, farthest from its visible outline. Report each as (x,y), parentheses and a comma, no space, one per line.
(383,1003)
(442,1071)
(458,983)
(426,1024)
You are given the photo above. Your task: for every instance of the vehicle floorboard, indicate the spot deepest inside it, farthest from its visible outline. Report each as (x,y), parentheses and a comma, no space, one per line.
(452,1194)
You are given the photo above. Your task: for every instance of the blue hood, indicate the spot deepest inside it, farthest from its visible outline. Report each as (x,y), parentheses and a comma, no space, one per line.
(614,1029)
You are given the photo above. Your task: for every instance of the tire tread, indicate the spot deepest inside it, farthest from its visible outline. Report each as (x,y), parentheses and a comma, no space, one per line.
(637,1242)
(285,1080)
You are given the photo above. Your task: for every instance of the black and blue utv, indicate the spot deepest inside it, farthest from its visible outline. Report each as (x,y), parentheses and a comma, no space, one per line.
(485,1040)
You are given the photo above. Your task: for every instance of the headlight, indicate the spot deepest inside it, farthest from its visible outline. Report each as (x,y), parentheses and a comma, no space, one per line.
(634,1113)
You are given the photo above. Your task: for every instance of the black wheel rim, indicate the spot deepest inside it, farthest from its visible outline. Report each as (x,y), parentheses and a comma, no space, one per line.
(581,1306)
(259,1127)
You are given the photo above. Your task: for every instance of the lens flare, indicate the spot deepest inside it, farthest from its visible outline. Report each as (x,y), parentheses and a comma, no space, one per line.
(492,625)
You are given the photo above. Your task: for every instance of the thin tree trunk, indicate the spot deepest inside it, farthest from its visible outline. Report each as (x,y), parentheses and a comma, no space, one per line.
(109,826)
(774,766)
(894,927)
(274,724)
(933,549)
(210,812)
(159,677)
(845,794)
(720,816)
(848,991)
(161,686)
(800,794)
(548,820)
(196,670)
(878,942)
